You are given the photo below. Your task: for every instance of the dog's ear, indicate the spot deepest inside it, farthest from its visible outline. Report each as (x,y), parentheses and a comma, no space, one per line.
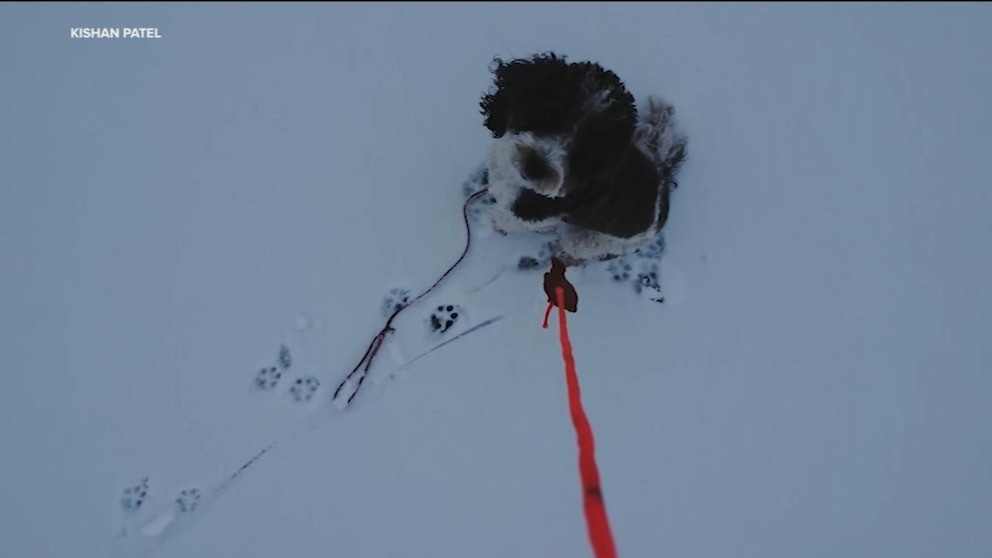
(609,128)
(493,105)
(526,92)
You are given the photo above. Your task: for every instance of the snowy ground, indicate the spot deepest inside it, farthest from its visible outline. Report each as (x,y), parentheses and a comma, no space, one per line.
(816,384)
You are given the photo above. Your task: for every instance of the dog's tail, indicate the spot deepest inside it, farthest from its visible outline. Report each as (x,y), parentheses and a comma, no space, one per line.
(658,136)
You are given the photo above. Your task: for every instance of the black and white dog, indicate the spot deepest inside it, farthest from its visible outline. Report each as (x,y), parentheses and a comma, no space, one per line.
(570,155)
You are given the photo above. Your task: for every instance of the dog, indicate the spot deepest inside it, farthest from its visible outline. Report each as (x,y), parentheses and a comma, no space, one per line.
(571,155)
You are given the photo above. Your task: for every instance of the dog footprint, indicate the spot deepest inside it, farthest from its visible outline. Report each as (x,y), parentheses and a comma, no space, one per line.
(654,249)
(304,388)
(619,270)
(134,496)
(543,259)
(443,318)
(527,263)
(646,283)
(394,300)
(285,357)
(267,377)
(188,500)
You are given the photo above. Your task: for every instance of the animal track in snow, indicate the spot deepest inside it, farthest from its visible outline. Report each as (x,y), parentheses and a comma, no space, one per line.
(267,377)
(188,500)
(443,318)
(304,388)
(394,300)
(134,496)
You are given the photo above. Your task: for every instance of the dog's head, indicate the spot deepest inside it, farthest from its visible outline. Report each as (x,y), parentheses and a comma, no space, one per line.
(555,121)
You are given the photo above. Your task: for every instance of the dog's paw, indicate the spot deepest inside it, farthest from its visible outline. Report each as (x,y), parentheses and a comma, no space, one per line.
(304,388)
(134,496)
(443,318)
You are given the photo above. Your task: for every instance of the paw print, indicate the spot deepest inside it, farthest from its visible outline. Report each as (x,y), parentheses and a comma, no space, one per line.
(646,280)
(543,258)
(304,388)
(647,283)
(654,249)
(285,357)
(188,500)
(444,318)
(267,377)
(619,270)
(134,496)
(528,263)
(394,300)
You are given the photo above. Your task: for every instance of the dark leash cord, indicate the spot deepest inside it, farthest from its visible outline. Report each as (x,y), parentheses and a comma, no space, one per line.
(380,338)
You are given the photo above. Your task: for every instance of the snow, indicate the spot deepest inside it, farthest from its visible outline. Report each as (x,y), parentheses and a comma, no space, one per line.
(816,383)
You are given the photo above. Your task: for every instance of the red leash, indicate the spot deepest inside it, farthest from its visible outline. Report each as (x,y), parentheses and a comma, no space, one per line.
(547,313)
(597,523)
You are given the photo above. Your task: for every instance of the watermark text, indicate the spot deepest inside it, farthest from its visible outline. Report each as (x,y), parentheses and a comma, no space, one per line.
(114,33)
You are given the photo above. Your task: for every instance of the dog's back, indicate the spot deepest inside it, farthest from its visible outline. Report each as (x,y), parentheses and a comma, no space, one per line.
(632,199)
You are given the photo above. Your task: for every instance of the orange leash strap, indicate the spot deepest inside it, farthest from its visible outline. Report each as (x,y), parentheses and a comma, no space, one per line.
(597,524)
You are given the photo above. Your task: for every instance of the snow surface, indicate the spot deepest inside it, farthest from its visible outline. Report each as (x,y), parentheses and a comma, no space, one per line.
(171,209)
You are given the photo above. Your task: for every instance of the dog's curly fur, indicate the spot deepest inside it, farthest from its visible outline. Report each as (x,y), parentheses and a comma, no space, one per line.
(571,154)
